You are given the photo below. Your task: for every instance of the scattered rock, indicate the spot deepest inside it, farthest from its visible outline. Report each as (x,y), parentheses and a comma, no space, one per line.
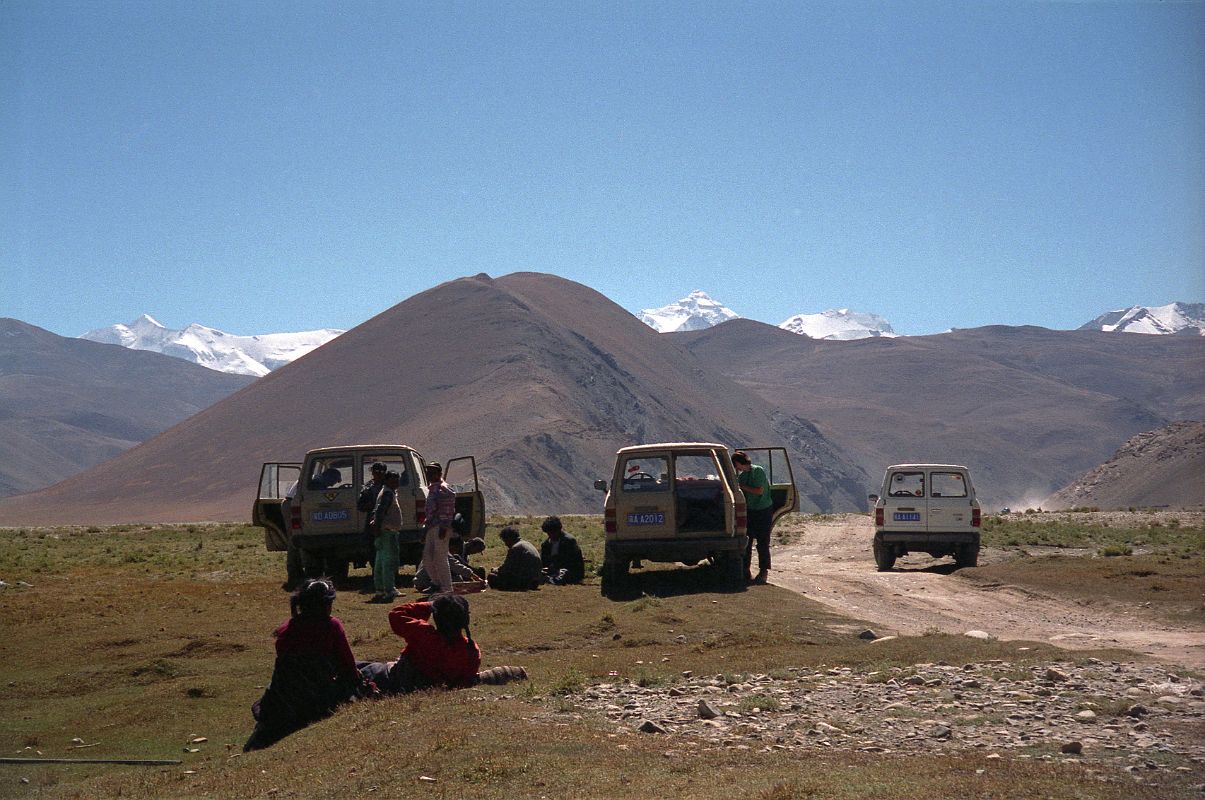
(1056,675)
(868,634)
(1087,715)
(648,726)
(1072,748)
(1137,710)
(941,732)
(707,710)
(978,635)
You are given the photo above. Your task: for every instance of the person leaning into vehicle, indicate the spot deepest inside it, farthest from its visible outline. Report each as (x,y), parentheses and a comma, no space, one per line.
(561,554)
(760,505)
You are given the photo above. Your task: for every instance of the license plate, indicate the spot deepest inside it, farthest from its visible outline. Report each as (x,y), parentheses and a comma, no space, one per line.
(647,519)
(906,516)
(329,516)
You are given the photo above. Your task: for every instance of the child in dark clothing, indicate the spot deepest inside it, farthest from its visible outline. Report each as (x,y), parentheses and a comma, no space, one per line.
(314,672)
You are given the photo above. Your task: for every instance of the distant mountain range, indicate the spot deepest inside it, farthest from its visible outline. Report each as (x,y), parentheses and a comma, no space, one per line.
(209,347)
(1174,318)
(543,379)
(67,404)
(259,355)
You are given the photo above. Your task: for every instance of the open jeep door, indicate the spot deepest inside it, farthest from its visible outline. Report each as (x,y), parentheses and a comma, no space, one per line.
(461,474)
(777,464)
(275,480)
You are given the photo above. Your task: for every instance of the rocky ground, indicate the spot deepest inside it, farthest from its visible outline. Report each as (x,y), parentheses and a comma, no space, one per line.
(1144,718)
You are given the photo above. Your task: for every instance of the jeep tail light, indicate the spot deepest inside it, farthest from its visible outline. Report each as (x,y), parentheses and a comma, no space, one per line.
(742,519)
(878,517)
(420,512)
(609,520)
(294,517)
(975,522)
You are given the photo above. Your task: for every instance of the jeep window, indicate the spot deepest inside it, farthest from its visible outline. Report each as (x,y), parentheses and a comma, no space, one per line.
(947,484)
(907,484)
(276,479)
(696,468)
(330,473)
(646,474)
(393,463)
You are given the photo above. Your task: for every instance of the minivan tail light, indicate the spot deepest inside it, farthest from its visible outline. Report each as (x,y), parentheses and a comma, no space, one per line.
(294,516)
(878,517)
(975,519)
(420,512)
(609,520)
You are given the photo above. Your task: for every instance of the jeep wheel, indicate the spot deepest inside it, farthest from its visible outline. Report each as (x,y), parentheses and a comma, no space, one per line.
(614,573)
(294,572)
(884,556)
(967,556)
(731,568)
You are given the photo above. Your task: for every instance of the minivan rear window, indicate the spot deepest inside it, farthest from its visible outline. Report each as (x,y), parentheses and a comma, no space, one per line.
(907,484)
(947,484)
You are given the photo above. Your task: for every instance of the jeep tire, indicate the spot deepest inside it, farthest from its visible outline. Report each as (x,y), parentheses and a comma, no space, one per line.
(884,556)
(614,572)
(967,555)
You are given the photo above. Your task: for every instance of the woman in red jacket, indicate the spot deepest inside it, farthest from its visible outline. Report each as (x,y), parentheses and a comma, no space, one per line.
(439,651)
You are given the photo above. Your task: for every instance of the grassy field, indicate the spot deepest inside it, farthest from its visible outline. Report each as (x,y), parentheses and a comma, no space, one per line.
(134,641)
(1153,560)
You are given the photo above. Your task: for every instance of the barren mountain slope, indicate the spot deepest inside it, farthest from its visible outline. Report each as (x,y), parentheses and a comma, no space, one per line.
(1165,467)
(541,378)
(1027,408)
(67,404)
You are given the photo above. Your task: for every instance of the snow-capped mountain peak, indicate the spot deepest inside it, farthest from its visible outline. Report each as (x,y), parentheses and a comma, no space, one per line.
(212,348)
(1173,318)
(694,312)
(839,323)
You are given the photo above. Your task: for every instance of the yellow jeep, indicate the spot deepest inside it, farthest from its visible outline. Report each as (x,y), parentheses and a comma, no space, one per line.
(680,502)
(309,509)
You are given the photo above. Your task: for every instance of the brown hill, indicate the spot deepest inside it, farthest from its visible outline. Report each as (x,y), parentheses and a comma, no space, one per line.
(1026,408)
(1165,467)
(68,404)
(541,378)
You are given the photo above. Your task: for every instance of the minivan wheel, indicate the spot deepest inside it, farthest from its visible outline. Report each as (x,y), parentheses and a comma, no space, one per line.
(884,556)
(614,572)
(967,556)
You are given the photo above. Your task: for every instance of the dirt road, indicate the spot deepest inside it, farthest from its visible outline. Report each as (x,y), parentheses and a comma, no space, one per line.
(833,565)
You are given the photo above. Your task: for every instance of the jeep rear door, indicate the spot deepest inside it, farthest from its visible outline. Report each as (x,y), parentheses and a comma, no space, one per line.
(644,500)
(950,495)
(328,494)
(461,474)
(275,481)
(777,464)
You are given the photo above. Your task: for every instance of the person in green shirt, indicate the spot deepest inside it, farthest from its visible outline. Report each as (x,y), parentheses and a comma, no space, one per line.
(760,504)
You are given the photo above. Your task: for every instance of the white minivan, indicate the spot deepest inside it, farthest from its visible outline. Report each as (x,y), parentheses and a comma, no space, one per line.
(927,508)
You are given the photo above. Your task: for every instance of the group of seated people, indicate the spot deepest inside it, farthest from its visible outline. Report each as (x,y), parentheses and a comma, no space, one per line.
(315,671)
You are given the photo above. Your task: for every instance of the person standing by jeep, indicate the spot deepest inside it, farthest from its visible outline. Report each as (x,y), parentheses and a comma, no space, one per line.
(387,523)
(441,509)
(760,508)
(366,502)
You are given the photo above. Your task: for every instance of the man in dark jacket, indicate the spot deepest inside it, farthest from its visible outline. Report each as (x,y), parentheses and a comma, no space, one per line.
(521,570)
(560,554)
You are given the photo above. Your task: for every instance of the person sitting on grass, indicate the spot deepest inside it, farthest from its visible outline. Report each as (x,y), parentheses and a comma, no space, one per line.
(465,579)
(522,569)
(439,652)
(314,672)
(560,554)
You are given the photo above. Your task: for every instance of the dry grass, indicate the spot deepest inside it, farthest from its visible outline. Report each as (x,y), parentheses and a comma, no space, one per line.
(142,638)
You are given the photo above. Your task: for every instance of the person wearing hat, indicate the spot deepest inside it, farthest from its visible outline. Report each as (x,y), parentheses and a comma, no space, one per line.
(440,511)
(560,554)
(314,672)
(522,569)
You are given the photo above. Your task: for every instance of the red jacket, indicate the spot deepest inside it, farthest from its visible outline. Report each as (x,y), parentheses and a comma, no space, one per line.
(317,637)
(453,664)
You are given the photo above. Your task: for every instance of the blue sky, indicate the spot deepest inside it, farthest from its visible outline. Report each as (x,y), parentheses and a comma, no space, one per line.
(265,166)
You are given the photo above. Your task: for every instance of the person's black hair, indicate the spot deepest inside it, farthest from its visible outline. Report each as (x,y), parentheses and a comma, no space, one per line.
(313,600)
(551,524)
(741,457)
(451,615)
(509,532)
(391,474)
(378,466)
